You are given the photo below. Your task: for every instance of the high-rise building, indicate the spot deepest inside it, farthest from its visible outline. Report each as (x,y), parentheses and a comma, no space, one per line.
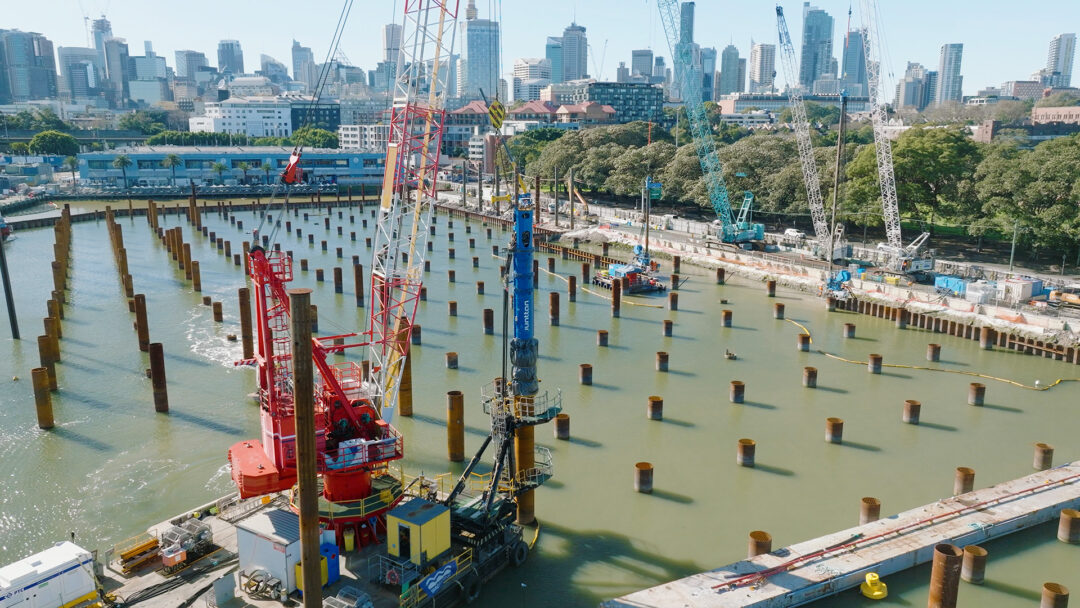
(686,23)
(1059,61)
(659,69)
(29,66)
(817,44)
(188,63)
(230,57)
(641,62)
(80,73)
(916,90)
(708,72)
(575,53)
(853,72)
(391,42)
(531,75)
(950,81)
(102,31)
(730,81)
(303,64)
(147,77)
(479,66)
(762,67)
(116,70)
(553,53)
(273,69)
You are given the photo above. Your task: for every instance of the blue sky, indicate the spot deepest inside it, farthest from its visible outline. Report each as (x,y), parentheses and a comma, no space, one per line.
(1003,40)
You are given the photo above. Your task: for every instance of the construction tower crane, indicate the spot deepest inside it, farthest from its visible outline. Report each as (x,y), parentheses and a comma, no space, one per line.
(689,79)
(802,130)
(904,260)
(408,191)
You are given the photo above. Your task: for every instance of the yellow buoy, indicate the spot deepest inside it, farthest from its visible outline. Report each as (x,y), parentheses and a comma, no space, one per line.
(873,588)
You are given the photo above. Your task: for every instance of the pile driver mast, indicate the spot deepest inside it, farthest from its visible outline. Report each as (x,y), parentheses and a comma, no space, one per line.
(408,191)
(802,129)
(690,80)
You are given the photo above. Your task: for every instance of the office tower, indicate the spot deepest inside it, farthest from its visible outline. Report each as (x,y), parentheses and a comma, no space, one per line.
(391,41)
(553,53)
(303,64)
(659,68)
(575,53)
(479,66)
(762,67)
(853,72)
(273,69)
(230,57)
(80,73)
(188,64)
(917,89)
(708,73)
(686,23)
(1059,61)
(730,81)
(641,62)
(817,43)
(116,70)
(950,82)
(28,66)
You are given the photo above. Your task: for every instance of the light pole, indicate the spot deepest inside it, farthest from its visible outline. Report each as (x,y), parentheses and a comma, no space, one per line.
(1012,252)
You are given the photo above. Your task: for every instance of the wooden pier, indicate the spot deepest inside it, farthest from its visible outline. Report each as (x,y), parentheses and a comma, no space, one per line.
(830,564)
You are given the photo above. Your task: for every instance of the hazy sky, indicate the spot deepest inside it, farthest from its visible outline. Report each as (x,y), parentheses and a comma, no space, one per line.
(1003,39)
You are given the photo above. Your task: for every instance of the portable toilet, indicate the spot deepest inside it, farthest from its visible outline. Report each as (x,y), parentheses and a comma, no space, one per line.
(418,531)
(330,553)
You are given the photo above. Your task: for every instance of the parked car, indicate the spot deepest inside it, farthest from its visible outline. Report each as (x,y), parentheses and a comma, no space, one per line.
(795,233)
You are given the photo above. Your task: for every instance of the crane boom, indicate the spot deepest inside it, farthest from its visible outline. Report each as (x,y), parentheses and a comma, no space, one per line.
(412,164)
(690,90)
(886,179)
(802,129)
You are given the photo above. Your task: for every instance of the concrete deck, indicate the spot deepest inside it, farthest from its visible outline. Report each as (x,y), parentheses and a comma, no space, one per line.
(886,546)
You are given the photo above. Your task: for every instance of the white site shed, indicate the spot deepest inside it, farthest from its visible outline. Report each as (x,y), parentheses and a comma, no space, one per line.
(61,576)
(270,540)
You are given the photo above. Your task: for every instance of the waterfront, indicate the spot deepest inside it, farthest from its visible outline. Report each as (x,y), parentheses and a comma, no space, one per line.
(112,466)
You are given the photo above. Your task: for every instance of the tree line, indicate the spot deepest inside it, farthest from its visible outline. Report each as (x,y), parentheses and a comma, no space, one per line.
(945,180)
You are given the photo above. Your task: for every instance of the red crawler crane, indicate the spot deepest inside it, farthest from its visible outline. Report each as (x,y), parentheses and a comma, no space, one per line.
(354,443)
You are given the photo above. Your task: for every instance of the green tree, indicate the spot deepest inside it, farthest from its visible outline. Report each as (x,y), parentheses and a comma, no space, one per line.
(1057,100)
(681,178)
(816,114)
(219,168)
(526,147)
(122,162)
(147,122)
(862,195)
(935,170)
(597,165)
(311,137)
(1037,190)
(20,148)
(272,141)
(635,164)
(47,120)
(768,166)
(71,163)
(54,142)
(559,156)
(244,168)
(171,162)
(266,170)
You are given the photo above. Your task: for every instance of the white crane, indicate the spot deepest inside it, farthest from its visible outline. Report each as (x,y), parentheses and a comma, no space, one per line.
(904,260)
(802,130)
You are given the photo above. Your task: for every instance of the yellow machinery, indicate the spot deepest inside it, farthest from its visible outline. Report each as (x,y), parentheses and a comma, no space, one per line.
(418,531)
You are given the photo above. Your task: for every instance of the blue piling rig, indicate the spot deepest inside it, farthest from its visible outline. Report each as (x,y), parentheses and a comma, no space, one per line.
(523,346)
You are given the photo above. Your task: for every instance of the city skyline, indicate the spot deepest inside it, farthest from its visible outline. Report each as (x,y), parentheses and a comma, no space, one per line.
(986,62)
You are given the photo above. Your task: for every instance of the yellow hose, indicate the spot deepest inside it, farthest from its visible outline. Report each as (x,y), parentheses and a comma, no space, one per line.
(936,369)
(536,535)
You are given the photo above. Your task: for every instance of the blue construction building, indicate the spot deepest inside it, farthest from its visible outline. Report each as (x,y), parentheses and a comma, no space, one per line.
(197,164)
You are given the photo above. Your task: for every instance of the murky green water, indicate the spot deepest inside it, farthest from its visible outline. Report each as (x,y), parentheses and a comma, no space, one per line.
(112,466)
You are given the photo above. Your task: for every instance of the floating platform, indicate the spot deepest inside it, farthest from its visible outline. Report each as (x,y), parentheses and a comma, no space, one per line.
(830,564)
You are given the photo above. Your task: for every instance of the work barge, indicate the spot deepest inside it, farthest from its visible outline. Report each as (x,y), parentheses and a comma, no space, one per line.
(837,562)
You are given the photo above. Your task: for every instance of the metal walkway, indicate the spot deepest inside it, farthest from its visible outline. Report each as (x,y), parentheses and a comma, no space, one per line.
(823,566)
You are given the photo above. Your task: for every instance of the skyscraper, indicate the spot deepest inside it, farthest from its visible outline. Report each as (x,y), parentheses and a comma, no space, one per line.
(641,62)
(29,66)
(916,90)
(817,43)
(708,72)
(102,30)
(188,63)
(391,41)
(1059,61)
(762,67)
(80,74)
(853,71)
(479,66)
(575,53)
(273,69)
(729,71)
(116,70)
(303,64)
(230,57)
(686,23)
(950,82)
(553,53)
